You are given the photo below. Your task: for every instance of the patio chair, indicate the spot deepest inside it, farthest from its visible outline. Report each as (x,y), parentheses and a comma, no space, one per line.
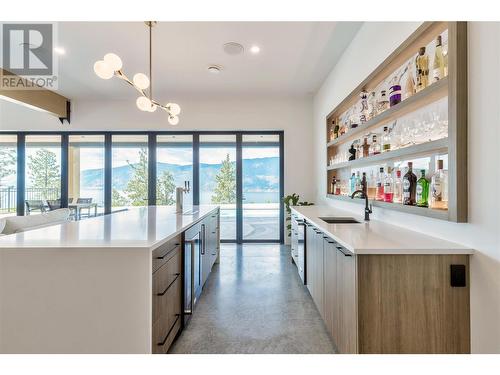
(84,201)
(54,204)
(34,205)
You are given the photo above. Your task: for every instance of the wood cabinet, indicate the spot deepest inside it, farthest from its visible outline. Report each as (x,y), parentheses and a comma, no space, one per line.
(210,244)
(389,303)
(166,299)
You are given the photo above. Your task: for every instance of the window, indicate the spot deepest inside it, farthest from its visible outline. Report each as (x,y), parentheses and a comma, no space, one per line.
(218,179)
(43,173)
(261,187)
(174,165)
(8,175)
(86,174)
(129,171)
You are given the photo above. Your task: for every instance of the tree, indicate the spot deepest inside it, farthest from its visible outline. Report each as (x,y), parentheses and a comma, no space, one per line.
(165,188)
(137,187)
(118,200)
(7,162)
(225,191)
(44,171)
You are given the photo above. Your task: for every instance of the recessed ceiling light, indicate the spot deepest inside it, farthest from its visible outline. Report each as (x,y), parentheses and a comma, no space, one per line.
(233,48)
(255,49)
(59,50)
(214,69)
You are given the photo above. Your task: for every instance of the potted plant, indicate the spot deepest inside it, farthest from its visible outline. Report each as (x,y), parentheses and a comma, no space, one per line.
(289,201)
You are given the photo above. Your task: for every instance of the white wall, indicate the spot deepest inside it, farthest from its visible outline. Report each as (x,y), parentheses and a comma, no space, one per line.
(371,45)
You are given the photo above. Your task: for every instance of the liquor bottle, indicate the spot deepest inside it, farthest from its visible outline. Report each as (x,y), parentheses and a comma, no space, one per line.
(398,188)
(375,146)
(364,112)
(439,188)
(409,186)
(383,102)
(422,190)
(422,69)
(438,64)
(386,140)
(366,148)
(410,83)
(372,105)
(332,185)
(336,130)
(388,187)
(380,185)
(358,182)
(352,183)
(394,92)
(372,186)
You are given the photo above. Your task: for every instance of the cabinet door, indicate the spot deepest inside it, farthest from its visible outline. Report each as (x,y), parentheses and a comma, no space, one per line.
(346,323)
(206,257)
(318,272)
(310,258)
(330,288)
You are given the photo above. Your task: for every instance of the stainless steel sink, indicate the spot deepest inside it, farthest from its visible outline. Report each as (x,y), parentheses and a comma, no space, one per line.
(340,220)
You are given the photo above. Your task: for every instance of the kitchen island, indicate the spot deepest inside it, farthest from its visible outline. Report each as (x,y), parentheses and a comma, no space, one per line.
(382,288)
(111,284)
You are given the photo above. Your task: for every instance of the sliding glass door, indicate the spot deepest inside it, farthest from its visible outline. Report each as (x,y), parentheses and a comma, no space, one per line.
(8,175)
(96,173)
(43,173)
(218,178)
(261,187)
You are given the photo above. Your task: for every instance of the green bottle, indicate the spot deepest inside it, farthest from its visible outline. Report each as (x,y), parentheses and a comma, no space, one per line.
(422,190)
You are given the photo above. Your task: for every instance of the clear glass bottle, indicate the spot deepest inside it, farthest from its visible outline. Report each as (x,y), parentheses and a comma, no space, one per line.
(422,191)
(386,140)
(409,187)
(366,148)
(383,102)
(371,188)
(422,69)
(352,183)
(358,182)
(438,63)
(439,188)
(372,105)
(398,188)
(410,83)
(375,146)
(388,187)
(380,185)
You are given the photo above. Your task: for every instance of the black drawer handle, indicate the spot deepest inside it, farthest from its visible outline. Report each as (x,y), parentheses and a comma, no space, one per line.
(213,232)
(168,252)
(170,330)
(169,285)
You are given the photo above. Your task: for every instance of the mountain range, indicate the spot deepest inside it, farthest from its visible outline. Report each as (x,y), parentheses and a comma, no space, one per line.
(259,175)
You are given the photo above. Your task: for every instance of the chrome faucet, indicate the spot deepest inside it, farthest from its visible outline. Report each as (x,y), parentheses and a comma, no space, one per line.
(179,196)
(364,194)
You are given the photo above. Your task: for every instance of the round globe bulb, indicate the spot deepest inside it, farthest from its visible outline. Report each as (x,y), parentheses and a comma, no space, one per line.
(174,109)
(141,80)
(173,120)
(102,69)
(143,103)
(113,61)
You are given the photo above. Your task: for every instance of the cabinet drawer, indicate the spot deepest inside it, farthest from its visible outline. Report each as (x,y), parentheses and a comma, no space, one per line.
(162,254)
(164,279)
(166,323)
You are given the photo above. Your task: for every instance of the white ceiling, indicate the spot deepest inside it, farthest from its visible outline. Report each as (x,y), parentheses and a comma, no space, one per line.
(295,57)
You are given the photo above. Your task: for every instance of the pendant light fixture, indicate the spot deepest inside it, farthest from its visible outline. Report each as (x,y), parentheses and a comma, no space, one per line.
(111,66)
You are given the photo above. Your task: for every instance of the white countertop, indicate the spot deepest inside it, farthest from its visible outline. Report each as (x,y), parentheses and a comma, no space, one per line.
(142,227)
(376,237)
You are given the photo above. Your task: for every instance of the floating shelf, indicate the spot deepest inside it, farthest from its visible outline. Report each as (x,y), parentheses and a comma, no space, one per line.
(422,98)
(416,150)
(422,211)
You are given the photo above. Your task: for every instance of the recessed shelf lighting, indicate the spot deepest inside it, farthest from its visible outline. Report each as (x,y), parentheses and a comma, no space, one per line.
(59,50)
(255,49)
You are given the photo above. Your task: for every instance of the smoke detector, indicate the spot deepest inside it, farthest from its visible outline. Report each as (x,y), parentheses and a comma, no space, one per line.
(233,48)
(214,69)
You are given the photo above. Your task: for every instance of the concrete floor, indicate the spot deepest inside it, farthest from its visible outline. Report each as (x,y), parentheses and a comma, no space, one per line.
(254,302)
